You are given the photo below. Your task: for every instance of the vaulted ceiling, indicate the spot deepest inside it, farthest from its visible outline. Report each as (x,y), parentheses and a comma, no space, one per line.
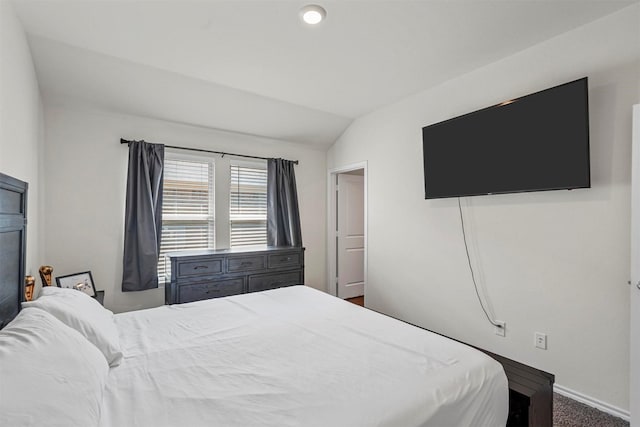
(253,67)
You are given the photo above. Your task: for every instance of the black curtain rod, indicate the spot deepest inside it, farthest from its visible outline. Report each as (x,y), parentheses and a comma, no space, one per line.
(124,141)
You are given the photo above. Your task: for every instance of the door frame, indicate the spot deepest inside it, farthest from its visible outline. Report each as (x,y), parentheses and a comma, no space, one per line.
(634,300)
(332,213)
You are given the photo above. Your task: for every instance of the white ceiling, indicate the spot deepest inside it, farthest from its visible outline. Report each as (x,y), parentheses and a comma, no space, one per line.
(253,67)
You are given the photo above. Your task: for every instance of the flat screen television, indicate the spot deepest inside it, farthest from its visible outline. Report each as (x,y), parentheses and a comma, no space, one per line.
(533,143)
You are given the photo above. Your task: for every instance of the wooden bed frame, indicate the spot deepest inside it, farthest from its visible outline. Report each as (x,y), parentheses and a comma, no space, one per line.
(13,238)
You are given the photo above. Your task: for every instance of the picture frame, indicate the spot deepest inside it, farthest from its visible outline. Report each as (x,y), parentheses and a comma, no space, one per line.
(82,282)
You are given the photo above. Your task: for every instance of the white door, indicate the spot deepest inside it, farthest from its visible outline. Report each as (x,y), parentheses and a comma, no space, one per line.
(634,396)
(350,236)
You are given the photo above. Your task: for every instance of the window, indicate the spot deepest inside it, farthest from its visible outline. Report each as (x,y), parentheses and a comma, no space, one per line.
(190,202)
(187,207)
(248,205)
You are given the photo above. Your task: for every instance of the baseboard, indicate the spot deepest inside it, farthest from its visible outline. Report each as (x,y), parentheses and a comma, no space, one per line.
(590,401)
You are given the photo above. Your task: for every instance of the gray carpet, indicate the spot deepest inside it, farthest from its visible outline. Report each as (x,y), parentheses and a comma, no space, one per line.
(569,413)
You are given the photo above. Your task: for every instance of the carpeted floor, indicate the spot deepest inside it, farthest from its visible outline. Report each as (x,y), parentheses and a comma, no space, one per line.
(569,413)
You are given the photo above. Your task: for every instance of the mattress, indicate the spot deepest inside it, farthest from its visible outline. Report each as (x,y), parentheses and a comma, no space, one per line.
(295,357)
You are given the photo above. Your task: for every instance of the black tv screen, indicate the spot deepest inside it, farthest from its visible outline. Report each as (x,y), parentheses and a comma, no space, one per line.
(532,143)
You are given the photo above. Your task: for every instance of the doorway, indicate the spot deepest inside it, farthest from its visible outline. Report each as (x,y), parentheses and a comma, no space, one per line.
(347,237)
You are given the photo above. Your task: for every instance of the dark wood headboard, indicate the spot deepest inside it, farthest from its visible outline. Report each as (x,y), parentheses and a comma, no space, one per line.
(13,238)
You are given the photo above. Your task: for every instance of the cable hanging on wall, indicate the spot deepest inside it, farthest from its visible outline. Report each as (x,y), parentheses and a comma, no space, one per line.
(473,276)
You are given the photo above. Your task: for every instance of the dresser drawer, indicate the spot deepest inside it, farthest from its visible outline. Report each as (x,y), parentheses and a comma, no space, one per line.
(262,282)
(245,263)
(208,290)
(286,259)
(199,268)
(211,273)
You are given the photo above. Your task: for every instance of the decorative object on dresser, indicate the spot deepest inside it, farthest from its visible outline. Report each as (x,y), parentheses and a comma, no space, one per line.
(29,284)
(205,274)
(46,271)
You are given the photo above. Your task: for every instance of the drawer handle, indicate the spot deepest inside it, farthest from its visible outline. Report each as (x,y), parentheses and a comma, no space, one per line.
(212,290)
(285,259)
(246,264)
(200,266)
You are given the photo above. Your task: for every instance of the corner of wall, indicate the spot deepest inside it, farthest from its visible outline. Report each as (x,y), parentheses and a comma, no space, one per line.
(22,125)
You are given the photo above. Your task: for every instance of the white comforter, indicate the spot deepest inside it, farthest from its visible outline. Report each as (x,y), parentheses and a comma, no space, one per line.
(295,357)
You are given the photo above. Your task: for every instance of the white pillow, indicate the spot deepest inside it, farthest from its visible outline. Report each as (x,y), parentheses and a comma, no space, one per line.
(49,374)
(84,314)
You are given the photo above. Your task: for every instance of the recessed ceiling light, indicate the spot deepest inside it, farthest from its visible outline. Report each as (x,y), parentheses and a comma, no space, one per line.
(313,14)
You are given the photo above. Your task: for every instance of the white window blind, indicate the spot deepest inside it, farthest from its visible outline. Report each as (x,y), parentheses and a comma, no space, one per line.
(187,207)
(248,205)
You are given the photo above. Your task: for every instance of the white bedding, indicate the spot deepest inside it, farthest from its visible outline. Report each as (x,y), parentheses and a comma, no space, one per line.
(295,357)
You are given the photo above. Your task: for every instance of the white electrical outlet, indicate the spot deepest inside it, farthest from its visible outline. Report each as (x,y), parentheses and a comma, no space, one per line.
(502,329)
(541,340)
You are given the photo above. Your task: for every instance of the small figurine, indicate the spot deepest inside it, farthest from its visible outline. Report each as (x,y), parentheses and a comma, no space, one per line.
(45,274)
(29,284)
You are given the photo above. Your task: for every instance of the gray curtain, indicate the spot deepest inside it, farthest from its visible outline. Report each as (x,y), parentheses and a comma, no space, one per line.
(143,216)
(283,217)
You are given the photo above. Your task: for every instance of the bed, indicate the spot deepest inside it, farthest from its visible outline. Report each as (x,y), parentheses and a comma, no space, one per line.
(293,356)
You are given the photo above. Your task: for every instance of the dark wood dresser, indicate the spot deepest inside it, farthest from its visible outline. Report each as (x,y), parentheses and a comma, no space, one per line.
(214,273)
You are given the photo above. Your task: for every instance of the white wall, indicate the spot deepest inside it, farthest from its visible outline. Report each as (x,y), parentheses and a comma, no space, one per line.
(21,126)
(555,262)
(86,171)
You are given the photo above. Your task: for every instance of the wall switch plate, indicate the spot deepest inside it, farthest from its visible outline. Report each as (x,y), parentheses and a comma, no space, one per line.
(541,340)
(501,331)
